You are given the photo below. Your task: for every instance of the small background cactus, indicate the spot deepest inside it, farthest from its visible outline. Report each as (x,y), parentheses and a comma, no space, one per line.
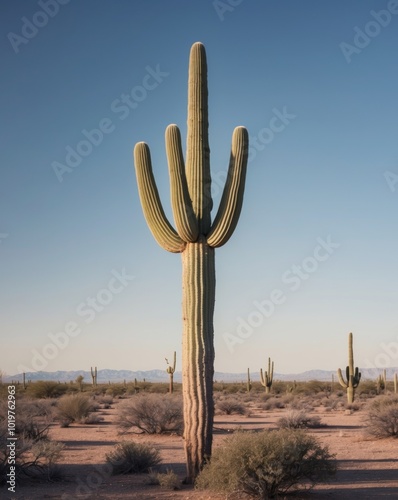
(170,370)
(352,376)
(268,376)
(381,382)
(249,382)
(94,376)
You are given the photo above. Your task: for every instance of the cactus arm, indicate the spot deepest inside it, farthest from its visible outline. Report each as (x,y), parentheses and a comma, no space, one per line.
(184,216)
(156,219)
(357,377)
(343,383)
(262,379)
(198,151)
(231,202)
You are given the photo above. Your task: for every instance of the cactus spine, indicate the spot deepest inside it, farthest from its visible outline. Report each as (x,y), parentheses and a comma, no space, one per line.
(170,370)
(268,376)
(94,376)
(353,376)
(196,238)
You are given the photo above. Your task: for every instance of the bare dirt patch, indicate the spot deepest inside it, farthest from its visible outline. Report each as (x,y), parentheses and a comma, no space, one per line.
(367,469)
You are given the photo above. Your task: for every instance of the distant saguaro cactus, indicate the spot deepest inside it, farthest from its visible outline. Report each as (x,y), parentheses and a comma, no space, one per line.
(196,238)
(395,383)
(79,381)
(268,376)
(170,370)
(249,382)
(381,382)
(94,376)
(353,376)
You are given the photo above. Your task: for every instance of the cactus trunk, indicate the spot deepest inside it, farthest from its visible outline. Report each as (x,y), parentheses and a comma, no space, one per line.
(198,284)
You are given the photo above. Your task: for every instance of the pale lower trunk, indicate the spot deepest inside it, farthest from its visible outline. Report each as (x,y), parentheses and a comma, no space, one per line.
(198,296)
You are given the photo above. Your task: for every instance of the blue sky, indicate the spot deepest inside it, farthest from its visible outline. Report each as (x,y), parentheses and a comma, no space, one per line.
(83,281)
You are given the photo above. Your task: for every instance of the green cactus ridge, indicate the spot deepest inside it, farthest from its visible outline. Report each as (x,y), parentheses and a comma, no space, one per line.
(195,236)
(353,377)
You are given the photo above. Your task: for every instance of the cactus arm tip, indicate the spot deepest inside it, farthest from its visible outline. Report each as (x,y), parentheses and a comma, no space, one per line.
(154,214)
(343,383)
(184,216)
(230,207)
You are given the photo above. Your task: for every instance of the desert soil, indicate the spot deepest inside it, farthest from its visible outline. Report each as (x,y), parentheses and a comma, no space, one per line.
(367,468)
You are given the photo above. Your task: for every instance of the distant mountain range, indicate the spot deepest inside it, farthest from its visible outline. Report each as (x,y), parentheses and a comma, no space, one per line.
(105,376)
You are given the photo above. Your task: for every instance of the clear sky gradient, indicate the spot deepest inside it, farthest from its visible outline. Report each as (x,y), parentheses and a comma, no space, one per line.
(314,255)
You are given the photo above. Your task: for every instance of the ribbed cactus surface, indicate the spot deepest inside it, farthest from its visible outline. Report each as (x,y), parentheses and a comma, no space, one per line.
(195,236)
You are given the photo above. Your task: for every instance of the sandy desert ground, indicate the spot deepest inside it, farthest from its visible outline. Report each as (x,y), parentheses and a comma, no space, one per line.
(367,468)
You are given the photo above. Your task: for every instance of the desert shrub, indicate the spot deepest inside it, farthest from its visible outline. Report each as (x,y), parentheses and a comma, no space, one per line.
(152,414)
(45,455)
(382,417)
(299,419)
(92,419)
(233,388)
(352,406)
(34,453)
(367,388)
(33,418)
(73,408)
(130,458)
(288,399)
(265,464)
(116,390)
(302,403)
(330,403)
(169,480)
(229,406)
(272,404)
(46,389)
(105,401)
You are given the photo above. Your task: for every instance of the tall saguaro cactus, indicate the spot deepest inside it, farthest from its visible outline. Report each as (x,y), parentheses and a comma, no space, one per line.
(268,376)
(195,237)
(353,376)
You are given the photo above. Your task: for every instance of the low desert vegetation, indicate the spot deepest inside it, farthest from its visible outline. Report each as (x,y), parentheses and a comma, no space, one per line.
(130,458)
(74,408)
(47,389)
(382,417)
(267,464)
(34,453)
(230,406)
(167,480)
(299,419)
(152,414)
